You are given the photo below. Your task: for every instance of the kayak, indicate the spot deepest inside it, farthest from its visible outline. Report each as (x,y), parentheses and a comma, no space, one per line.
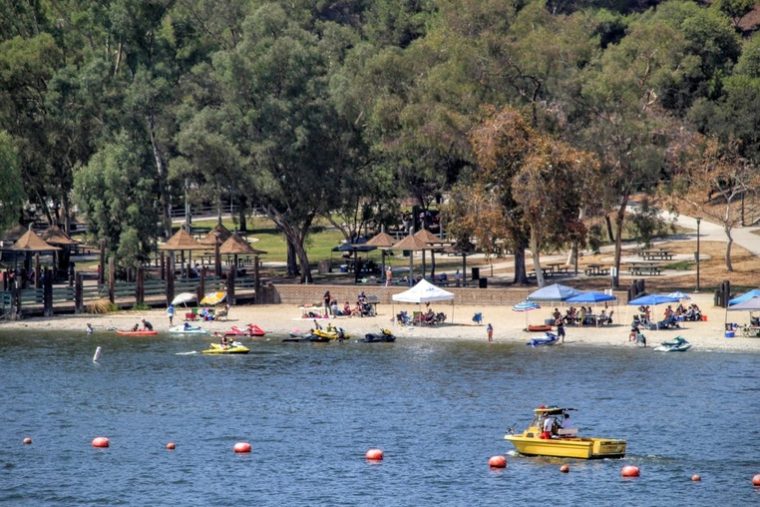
(235,348)
(141,332)
(187,329)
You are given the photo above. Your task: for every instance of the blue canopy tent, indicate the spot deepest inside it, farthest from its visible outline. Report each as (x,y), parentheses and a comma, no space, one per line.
(554,292)
(652,300)
(744,297)
(591,297)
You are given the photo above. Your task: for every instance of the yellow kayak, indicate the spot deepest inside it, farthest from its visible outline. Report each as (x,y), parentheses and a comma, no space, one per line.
(235,348)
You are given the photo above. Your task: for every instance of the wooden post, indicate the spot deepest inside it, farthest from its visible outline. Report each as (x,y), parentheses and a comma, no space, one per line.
(217,259)
(256,281)
(169,278)
(78,293)
(37,271)
(231,285)
(163,266)
(111,279)
(202,285)
(140,286)
(102,264)
(47,293)
(15,300)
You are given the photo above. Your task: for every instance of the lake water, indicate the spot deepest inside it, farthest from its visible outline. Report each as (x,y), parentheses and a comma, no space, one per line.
(438,410)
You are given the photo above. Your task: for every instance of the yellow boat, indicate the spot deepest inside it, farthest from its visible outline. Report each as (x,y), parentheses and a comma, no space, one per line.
(562,442)
(235,348)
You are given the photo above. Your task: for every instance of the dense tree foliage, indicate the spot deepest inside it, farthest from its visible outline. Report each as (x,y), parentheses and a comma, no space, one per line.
(514,111)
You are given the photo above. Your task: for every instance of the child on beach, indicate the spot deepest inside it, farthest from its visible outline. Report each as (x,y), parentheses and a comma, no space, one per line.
(489,332)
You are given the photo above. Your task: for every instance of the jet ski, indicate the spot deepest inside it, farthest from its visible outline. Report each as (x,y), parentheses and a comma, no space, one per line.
(385,335)
(679,344)
(232,348)
(547,339)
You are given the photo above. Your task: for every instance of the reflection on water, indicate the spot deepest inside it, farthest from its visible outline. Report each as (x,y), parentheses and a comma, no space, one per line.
(439,410)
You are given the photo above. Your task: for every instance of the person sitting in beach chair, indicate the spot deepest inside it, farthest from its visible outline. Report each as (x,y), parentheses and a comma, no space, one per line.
(668,323)
(403,318)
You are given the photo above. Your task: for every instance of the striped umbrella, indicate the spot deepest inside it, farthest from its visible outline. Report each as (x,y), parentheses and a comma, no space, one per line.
(525,307)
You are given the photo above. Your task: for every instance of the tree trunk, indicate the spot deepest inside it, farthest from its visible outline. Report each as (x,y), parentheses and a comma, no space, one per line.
(534,250)
(619,219)
(521,274)
(292,264)
(608,222)
(729,244)
(161,173)
(242,223)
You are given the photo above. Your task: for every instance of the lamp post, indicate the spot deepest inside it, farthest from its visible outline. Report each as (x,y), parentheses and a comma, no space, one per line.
(699,219)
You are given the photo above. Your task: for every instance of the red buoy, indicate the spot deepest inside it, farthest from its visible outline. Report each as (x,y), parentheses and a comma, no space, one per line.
(696,478)
(564,468)
(100,442)
(630,471)
(27,440)
(242,447)
(756,480)
(374,454)
(171,446)
(497,462)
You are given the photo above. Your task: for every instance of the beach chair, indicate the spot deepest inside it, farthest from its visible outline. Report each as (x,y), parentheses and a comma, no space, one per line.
(478,318)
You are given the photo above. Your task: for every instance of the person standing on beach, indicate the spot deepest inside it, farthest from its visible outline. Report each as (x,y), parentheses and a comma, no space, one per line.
(326,298)
(560,329)
(170,313)
(388,276)
(489,332)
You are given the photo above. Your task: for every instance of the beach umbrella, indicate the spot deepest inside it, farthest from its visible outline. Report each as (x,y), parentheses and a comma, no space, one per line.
(744,297)
(678,294)
(750,305)
(554,292)
(652,300)
(591,297)
(525,307)
(213,298)
(183,298)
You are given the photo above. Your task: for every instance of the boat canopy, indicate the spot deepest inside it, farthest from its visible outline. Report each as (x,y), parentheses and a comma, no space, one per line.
(553,410)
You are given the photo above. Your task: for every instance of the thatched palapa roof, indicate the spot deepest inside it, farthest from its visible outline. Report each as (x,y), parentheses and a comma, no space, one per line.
(182,240)
(235,245)
(55,236)
(218,234)
(30,242)
(381,240)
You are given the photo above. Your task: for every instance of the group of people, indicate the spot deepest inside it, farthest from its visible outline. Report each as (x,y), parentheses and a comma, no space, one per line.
(552,424)
(362,308)
(584,316)
(146,326)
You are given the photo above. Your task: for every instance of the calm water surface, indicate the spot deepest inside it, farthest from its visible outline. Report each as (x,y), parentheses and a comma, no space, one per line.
(439,410)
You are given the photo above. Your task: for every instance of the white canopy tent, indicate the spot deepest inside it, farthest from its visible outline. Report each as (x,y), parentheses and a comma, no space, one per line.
(424,292)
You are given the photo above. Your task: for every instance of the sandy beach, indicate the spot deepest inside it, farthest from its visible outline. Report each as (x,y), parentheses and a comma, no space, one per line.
(279,320)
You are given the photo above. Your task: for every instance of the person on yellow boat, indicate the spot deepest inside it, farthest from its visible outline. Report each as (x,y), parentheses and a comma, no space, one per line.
(548,428)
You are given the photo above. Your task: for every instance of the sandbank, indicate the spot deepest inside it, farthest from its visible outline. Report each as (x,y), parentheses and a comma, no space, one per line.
(281,319)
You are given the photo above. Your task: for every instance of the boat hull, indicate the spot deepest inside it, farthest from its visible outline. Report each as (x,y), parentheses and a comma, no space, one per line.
(581,448)
(136,333)
(218,349)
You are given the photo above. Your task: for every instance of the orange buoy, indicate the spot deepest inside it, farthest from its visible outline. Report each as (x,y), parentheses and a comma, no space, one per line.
(27,440)
(242,447)
(630,471)
(171,446)
(100,442)
(756,480)
(374,454)
(564,468)
(497,462)
(696,477)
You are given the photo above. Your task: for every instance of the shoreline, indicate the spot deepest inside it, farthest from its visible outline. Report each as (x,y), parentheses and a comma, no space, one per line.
(282,319)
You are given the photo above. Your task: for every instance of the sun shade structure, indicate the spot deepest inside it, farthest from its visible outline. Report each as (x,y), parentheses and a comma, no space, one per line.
(652,299)
(678,294)
(744,297)
(554,292)
(55,236)
(213,298)
(425,292)
(219,234)
(413,244)
(30,242)
(235,245)
(525,307)
(182,240)
(750,305)
(591,297)
(381,240)
(183,298)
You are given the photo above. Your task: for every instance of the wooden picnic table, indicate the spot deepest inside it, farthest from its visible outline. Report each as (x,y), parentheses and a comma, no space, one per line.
(660,254)
(645,268)
(597,270)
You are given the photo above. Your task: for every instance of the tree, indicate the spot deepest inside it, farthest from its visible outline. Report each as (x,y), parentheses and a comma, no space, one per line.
(713,178)
(12,190)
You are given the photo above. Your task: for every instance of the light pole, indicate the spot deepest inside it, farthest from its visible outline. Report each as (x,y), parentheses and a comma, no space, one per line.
(699,219)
